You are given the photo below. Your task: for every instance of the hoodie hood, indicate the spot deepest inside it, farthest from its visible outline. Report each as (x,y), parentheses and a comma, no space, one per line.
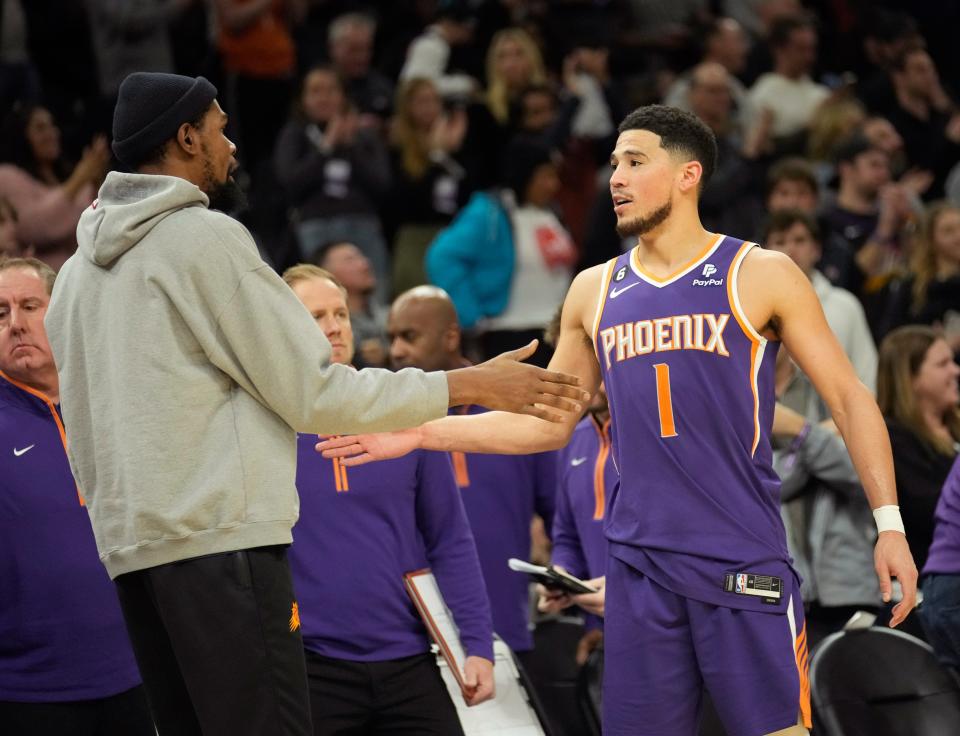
(128,207)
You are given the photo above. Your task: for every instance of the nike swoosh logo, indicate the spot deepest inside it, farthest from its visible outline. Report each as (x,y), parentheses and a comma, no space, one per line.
(578,461)
(615,292)
(18,453)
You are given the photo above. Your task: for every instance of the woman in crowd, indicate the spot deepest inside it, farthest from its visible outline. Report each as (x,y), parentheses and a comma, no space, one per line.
(513,63)
(930,293)
(918,395)
(428,176)
(336,172)
(47,193)
(834,121)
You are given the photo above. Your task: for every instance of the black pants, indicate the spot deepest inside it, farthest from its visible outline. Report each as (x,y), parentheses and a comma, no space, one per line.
(124,714)
(396,696)
(218,648)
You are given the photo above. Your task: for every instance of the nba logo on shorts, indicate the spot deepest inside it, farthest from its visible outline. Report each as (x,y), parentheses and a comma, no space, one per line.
(741,579)
(708,270)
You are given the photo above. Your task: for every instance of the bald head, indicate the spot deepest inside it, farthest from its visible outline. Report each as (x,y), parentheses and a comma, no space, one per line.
(709,73)
(709,96)
(424,331)
(432,301)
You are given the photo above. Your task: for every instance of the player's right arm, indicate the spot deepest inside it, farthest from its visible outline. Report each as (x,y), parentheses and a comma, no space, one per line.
(498,432)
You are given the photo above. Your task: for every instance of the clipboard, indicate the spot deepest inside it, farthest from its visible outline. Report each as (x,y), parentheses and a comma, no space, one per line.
(425,593)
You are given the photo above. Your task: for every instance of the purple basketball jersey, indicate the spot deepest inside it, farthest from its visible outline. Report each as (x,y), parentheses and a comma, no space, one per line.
(691,395)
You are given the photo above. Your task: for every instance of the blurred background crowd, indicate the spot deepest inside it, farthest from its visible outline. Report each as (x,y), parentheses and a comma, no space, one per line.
(378,123)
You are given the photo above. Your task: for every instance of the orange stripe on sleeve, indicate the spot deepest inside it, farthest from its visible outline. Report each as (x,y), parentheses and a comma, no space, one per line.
(599,491)
(340,476)
(460,471)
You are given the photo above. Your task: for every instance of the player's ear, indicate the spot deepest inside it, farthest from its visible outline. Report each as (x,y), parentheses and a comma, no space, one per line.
(689,175)
(186,138)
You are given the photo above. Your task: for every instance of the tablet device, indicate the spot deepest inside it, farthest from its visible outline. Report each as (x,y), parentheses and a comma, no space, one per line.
(551,577)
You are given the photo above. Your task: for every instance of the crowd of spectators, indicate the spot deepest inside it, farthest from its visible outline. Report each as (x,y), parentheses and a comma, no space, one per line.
(465,143)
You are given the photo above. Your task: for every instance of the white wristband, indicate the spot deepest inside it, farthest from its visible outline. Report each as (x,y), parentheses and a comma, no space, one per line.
(888,519)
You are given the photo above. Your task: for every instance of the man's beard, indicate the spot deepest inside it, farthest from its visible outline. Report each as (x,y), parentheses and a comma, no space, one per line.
(642,225)
(227,197)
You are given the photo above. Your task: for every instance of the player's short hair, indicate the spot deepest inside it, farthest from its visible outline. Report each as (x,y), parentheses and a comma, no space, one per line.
(792,168)
(782,220)
(307,271)
(680,132)
(43,271)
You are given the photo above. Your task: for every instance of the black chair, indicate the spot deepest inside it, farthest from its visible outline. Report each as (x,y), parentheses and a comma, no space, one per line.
(881,682)
(552,668)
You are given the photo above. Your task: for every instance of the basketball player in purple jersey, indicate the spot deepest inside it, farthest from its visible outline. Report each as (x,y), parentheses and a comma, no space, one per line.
(684,330)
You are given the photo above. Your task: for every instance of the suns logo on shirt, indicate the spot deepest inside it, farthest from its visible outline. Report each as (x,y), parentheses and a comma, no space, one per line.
(294,617)
(680,332)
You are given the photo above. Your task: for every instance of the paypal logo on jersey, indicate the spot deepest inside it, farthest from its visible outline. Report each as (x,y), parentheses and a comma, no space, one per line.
(708,270)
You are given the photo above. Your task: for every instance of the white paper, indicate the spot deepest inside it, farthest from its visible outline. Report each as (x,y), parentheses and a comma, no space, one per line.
(508,714)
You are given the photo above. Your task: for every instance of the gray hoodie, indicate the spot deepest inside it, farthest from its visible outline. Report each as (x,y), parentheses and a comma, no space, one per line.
(186,368)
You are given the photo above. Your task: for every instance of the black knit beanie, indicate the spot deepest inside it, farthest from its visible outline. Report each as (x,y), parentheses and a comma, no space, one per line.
(151,107)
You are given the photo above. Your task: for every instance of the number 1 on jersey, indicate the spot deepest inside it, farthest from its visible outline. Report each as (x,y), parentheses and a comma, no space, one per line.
(664,400)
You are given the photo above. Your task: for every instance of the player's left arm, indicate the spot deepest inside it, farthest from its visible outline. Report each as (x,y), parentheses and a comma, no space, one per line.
(780,302)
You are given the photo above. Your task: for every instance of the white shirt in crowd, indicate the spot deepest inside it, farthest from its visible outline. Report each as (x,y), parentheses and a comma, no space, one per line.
(544,256)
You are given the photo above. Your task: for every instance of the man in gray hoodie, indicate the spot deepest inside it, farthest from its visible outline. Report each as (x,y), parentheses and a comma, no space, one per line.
(186,369)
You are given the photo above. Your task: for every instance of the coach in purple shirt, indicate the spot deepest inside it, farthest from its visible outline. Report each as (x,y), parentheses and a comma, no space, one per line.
(501,493)
(360,530)
(66,666)
(940,612)
(586,477)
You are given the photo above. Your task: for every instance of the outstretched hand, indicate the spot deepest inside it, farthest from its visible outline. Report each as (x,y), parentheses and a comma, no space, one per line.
(505,383)
(360,449)
(892,558)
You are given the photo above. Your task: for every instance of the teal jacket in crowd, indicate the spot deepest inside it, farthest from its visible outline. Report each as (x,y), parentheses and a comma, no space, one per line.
(472,259)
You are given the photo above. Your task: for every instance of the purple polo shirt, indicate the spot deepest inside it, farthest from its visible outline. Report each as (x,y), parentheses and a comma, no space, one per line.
(62,636)
(944,555)
(586,476)
(360,530)
(501,493)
